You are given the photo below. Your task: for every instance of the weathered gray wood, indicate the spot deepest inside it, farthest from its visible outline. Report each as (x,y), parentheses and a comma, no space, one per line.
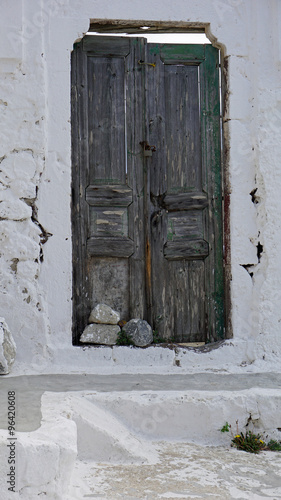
(102,73)
(109,221)
(106,45)
(185,201)
(157,128)
(150,216)
(114,196)
(132,26)
(197,316)
(110,247)
(182,225)
(186,249)
(109,278)
(135,175)
(79,118)
(183,145)
(176,193)
(107,120)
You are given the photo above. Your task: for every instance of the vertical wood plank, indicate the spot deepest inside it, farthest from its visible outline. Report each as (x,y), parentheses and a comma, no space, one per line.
(106,85)
(161,297)
(183,145)
(80,177)
(135,175)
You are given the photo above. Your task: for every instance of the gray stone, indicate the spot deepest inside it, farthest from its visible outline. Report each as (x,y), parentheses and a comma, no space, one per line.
(139,331)
(100,334)
(7,348)
(105,315)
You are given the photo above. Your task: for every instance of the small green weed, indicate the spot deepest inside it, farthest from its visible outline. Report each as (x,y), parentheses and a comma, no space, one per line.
(274,445)
(124,339)
(225,427)
(250,442)
(157,339)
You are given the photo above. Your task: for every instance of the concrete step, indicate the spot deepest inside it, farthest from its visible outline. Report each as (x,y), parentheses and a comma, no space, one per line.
(66,421)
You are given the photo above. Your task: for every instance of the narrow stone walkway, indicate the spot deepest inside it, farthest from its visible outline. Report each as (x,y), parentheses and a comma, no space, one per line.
(183,471)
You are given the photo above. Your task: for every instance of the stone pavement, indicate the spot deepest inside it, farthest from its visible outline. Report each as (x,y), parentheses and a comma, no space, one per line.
(183,471)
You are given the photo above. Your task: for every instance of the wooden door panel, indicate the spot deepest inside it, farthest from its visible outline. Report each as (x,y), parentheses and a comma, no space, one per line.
(182,144)
(109,278)
(181,189)
(108,177)
(113,195)
(106,120)
(179,312)
(109,221)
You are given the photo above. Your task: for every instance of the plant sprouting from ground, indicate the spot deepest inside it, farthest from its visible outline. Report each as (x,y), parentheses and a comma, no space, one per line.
(124,339)
(225,427)
(274,445)
(250,442)
(158,339)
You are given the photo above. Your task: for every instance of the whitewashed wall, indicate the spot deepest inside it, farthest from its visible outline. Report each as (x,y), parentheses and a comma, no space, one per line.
(36,39)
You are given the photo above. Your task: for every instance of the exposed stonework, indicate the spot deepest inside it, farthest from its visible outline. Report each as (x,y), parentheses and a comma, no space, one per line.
(7,348)
(100,334)
(104,314)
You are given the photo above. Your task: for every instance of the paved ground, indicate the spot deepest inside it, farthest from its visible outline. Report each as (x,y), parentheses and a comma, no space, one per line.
(184,471)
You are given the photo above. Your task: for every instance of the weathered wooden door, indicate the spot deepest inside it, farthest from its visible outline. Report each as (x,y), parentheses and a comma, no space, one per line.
(147,216)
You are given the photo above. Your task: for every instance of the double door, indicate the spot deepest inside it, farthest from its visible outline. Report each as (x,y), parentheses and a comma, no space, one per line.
(147,204)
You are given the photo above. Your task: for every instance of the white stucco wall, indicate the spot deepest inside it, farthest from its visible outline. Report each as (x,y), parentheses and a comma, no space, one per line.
(35,153)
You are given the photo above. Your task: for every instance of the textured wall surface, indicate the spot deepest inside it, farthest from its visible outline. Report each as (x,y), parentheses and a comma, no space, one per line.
(35,178)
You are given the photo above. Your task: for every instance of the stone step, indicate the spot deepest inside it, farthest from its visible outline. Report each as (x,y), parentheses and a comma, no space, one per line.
(63,420)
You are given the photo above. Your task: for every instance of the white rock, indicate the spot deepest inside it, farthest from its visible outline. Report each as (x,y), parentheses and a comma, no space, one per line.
(15,210)
(100,334)
(104,314)
(7,348)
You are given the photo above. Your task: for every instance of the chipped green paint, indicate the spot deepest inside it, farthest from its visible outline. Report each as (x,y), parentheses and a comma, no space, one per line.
(210,119)
(155,49)
(183,52)
(170,230)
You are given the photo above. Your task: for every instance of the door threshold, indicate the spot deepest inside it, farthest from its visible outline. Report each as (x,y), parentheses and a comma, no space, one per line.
(191,344)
